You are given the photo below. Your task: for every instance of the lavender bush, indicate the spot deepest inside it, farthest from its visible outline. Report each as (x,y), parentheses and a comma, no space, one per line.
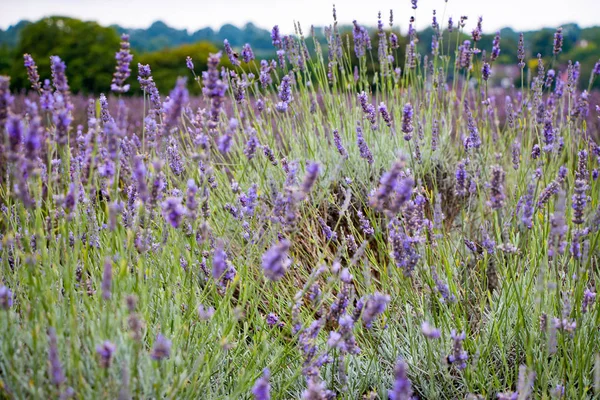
(306,229)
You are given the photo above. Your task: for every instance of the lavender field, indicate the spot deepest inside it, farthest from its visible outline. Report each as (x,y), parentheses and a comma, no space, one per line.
(307,228)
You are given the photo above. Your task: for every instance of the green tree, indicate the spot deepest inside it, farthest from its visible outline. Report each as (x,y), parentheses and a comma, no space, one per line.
(87,48)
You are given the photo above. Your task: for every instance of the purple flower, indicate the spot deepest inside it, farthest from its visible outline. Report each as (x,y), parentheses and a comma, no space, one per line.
(205,313)
(465,55)
(219,264)
(368,109)
(407,121)
(589,298)
(281,58)
(316,390)
(402,389)
(582,172)
(272,320)
(327,231)
(387,184)
(549,133)
(161,348)
(59,79)
(14,130)
(251,145)
(276,37)
(374,306)
(458,356)
(6,99)
(173,108)
(56,371)
(363,148)
(122,71)
(285,94)
(107,279)
(6,298)
(189,63)
(265,73)
(385,114)
(312,172)
(32,73)
(536,151)
(394,41)
(233,57)
(365,224)
(486,70)
(338,143)
(429,331)
(173,211)
(579,201)
(214,88)
(497,195)
(495,47)
(361,39)
(473,140)
(173,157)
(558,41)
(442,287)
(247,53)
(476,34)
(461,179)
(262,388)
(275,261)
(105,351)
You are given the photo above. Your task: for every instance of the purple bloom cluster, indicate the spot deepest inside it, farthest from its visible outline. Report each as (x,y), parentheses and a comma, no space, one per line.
(285,94)
(374,306)
(402,389)
(275,261)
(122,72)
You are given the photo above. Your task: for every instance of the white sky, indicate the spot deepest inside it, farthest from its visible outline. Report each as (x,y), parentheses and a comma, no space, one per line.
(195,14)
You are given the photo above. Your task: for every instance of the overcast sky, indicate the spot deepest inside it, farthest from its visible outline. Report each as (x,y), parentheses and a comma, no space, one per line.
(195,14)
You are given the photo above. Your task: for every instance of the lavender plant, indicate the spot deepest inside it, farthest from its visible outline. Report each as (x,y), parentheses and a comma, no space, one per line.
(277,238)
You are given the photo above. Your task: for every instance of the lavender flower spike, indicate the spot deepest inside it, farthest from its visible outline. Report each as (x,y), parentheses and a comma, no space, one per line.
(365,152)
(374,306)
(312,172)
(32,73)
(402,389)
(173,211)
(247,53)
(338,143)
(123,71)
(407,125)
(189,63)
(429,331)
(285,94)
(262,388)
(105,351)
(161,348)
(233,56)
(6,298)
(275,261)
(458,355)
(558,41)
